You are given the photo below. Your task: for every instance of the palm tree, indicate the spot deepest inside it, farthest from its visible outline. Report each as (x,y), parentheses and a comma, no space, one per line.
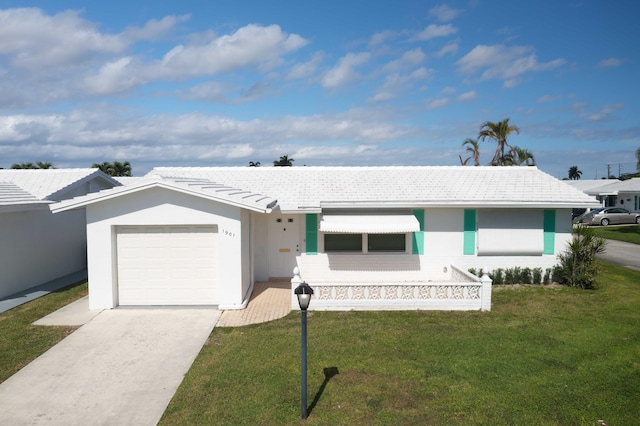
(638,158)
(463,162)
(473,149)
(115,169)
(254,164)
(522,155)
(284,161)
(574,173)
(498,132)
(38,165)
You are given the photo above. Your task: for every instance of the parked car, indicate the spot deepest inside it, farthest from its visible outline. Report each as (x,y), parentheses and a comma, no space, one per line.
(609,216)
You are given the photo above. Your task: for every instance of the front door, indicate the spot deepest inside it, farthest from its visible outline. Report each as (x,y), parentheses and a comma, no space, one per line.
(284,244)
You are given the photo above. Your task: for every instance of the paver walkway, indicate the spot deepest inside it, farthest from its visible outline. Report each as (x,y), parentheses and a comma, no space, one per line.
(269,301)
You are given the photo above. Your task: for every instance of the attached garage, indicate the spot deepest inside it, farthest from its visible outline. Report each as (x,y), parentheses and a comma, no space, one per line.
(167,265)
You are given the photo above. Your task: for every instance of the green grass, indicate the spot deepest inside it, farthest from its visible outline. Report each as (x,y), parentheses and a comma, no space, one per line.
(630,234)
(20,341)
(542,356)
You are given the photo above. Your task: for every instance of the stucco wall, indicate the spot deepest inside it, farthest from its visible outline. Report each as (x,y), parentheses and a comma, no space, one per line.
(38,246)
(443,247)
(161,207)
(260,236)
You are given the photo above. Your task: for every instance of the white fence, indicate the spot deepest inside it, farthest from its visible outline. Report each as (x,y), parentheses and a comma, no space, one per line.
(463,291)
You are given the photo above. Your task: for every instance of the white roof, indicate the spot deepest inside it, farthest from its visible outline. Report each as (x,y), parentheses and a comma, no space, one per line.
(369,224)
(314,188)
(607,186)
(12,197)
(46,184)
(194,186)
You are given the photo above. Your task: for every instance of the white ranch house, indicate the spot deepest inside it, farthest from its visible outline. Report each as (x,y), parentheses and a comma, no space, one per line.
(362,237)
(37,246)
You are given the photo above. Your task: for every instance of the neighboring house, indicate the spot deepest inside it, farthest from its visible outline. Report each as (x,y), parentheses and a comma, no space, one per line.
(362,237)
(37,246)
(612,192)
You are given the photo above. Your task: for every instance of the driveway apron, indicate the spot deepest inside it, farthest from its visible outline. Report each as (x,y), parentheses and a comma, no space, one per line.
(622,253)
(121,368)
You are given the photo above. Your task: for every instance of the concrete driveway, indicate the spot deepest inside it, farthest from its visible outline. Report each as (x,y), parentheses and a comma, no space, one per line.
(120,368)
(621,253)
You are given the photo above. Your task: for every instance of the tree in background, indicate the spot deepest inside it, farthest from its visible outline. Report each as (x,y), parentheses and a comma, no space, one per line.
(38,165)
(499,133)
(116,168)
(519,156)
(638,159)
(254,164)
(473,149)
(284,161)
(574,173)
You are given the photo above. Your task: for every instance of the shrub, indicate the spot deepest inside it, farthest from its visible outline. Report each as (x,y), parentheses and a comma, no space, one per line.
(547,276)
(536,275)
(525,276)
(577,266)
(497,276)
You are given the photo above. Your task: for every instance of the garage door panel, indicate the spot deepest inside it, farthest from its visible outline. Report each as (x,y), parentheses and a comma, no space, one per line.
(167,265)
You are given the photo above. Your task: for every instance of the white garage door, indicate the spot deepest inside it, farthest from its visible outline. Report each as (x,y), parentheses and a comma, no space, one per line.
(167,265)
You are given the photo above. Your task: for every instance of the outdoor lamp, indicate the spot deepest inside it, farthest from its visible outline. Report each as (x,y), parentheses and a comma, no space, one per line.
(304,292)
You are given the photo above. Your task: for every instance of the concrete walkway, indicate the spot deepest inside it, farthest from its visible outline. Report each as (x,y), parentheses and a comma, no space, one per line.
(621,253)
(122,366)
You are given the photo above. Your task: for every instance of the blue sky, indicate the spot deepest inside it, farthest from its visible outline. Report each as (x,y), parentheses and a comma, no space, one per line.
(196,83)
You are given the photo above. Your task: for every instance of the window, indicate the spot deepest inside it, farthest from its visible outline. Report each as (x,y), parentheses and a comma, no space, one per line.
(343,242)
(386,242)
(372,242)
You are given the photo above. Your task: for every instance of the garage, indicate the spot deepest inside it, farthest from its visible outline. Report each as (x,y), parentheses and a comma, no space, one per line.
(167,265)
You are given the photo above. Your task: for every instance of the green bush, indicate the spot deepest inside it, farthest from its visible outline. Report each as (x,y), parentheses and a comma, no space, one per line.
(536,275)
(577,266)
(497,276)
(525,276)
(547,276)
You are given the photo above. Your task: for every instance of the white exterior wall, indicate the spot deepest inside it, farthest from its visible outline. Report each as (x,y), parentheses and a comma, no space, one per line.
(162,207)
(260,237)
(443,247)
(37,246)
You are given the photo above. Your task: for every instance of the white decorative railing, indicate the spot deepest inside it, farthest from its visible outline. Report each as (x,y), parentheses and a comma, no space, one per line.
(464,292)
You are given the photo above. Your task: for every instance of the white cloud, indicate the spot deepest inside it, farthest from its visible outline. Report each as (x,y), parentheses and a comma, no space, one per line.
(611,62)
(396,82)
(410,58)
(381,37)
(306,69)
(548,98)
(467,96)
(114,77)
(433,31)
(154,29)
(605,112)
(449,48)
(33,40)
(444,13)
(252,45)
(502,62)
(344,71)
(438,103)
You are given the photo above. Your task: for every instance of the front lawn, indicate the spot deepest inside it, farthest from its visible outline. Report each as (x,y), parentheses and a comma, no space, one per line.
(630,234)
(21,342)
(543,355)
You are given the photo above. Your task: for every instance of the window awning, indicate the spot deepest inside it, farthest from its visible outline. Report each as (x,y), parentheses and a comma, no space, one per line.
(369,224)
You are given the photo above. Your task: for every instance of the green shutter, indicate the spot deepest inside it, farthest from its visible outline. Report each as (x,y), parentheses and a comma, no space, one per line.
(549,231)
(418,237)
(311,233)
(469,232)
